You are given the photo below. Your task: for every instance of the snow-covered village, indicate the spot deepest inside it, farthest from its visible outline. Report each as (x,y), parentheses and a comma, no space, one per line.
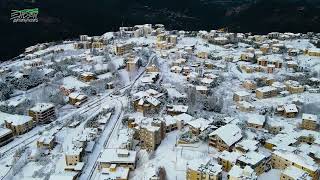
(146,103)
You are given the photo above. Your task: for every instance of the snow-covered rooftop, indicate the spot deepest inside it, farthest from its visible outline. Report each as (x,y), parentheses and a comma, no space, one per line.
(15,119)
(229,133)
(114,156)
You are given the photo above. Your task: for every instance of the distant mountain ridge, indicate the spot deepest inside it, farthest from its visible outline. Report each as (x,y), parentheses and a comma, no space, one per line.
(61,19)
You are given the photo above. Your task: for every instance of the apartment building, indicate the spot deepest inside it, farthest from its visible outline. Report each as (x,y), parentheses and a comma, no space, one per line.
(202,55)
(274,126)
(265,62)
(280,140)
(198,125)
(256,121)
(247,56)
(238,173)
(42,113)
(46,141)
(249,85)
(228,159)
(152,69)
(171,123)
(87,76)
(288,110)
(98,45)
(208,171)
(150,137)
(18,124)
(147,101)
(119,157)
(225,137)
(264,48)
(121,49)
(74,155)
(313,52)
(266,92)
(245,106)
(280,86)
(246,146)
(132,63)
(114,172)
(309,121)
(6,136)
(257,161)
(294,173)
(176,109)
(77,99)
(294,87)
(241,96)
(284,159)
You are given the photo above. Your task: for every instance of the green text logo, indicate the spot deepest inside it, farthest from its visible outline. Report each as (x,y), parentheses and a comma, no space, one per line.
(24,15)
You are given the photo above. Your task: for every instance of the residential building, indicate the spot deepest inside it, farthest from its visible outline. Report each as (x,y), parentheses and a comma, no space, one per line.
(309,121)
(283,159)
(198,125)
(182,120)
(176,69)
(256,121)
(266,92)
(288,110)
(265,48)
(246,145)
(65,176)
(147,101)
(280,86)
(257,161)
(228,159)
(313,52)
(294,173)
(46,141)
(159,173)
(202,55)
(247,56)
(219,40)
(225,137)
(77,99)
(280,141)
(249,85)
(176,109)
(97,45)
(119,157)
(245,106)
(152,69)
(208,171)
(114,172)
(87,76)
(6,136)
(241,96)
(71,84)
(73,156)
(274,126)
(171,123)
(18,124)
(294,87)
(237,173)
(150,137)
(121,49)
(132,63)
(42,112)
